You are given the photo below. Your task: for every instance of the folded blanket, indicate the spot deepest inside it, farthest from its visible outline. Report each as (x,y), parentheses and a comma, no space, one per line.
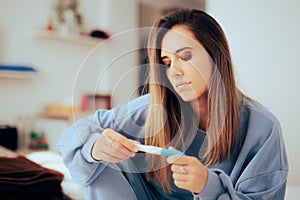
(21,178)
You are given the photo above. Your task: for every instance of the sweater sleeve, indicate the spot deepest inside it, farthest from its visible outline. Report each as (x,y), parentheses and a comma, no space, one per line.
(75,146)
(76,142)
(260,171)
(220,187)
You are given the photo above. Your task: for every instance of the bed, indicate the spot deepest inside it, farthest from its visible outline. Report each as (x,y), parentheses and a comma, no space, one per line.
(72,191)
(54,161)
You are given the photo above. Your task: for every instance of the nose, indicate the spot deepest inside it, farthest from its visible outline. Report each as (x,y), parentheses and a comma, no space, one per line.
(176,68)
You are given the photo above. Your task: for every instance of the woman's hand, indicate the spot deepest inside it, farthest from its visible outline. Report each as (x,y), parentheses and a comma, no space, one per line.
(188,173)
(111,146)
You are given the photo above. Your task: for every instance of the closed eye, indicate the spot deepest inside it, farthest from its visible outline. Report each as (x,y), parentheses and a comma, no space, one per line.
(186,57)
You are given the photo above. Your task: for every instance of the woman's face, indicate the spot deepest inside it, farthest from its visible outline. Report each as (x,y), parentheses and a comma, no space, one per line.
(188,64)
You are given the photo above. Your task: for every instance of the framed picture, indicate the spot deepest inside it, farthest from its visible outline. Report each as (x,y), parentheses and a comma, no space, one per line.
(93,102)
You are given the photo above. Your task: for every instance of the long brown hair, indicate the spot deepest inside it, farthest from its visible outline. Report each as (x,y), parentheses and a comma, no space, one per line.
(174,121)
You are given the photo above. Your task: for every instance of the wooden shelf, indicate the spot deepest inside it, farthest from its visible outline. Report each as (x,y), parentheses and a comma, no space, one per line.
(55,116)
(17,75)
(75,39)
(63,116)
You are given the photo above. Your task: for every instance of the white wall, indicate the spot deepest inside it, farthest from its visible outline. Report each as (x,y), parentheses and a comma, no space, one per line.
(121,17)
(57,62)
(265,44)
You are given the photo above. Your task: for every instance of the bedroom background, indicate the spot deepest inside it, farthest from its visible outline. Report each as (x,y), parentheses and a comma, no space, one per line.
(263,36)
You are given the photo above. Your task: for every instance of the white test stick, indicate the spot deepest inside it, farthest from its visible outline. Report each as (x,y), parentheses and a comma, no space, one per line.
(158,150)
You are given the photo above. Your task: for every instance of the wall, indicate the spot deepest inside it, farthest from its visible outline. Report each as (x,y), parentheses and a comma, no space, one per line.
(58,63)
(264,39)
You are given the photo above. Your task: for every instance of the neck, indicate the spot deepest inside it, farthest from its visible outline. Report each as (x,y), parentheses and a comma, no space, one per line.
(202,109)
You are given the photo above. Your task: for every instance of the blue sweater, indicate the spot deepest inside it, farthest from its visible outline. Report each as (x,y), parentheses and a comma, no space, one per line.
(257,169)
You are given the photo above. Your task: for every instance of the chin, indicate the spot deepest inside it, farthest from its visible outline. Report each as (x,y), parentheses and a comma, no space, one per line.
(188,97)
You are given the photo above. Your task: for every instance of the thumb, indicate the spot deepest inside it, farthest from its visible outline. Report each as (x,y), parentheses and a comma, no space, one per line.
(172,148)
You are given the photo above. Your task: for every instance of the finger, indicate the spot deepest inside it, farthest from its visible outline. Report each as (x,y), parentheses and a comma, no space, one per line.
(178,160)
(127,144)
(109,158)
(172,148)
(118,149)
(111,147)
(180,177)
(182,184)
(104,145)
(115,152)
(176,169)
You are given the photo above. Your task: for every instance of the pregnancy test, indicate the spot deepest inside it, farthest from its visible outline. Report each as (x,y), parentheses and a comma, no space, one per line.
(158,150)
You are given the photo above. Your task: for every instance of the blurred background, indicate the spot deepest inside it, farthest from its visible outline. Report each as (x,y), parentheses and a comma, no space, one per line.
(44,44)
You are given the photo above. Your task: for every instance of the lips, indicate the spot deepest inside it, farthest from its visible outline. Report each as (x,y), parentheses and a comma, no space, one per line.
(182,84)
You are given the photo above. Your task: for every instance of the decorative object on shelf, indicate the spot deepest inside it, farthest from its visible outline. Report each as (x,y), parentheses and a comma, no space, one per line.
(99,34)
(92,102)
(17,71)
(69,18)
(38,141)
(58,111)
(50,25)
(68,26)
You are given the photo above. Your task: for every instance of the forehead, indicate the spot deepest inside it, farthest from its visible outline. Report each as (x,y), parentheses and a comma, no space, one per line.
(177,38)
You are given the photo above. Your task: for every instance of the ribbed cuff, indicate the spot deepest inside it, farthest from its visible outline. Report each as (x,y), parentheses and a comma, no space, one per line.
(87,148)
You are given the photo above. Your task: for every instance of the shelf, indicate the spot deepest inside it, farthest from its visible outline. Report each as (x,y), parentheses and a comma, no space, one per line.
(57,116)
(75,39)
(64,116)
(17,75)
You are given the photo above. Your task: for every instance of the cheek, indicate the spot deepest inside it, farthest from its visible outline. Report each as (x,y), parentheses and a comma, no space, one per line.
(203,67)
(200,81)
(204,72)
(199,84)
(169,76)
(207,75)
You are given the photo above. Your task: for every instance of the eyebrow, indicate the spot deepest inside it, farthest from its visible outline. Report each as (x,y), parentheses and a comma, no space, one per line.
(178,51)
(182,49)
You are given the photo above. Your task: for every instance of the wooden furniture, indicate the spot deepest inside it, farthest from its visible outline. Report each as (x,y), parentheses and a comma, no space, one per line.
(92,102)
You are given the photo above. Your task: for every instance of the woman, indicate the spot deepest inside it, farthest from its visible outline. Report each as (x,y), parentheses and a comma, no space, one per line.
(233,147)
